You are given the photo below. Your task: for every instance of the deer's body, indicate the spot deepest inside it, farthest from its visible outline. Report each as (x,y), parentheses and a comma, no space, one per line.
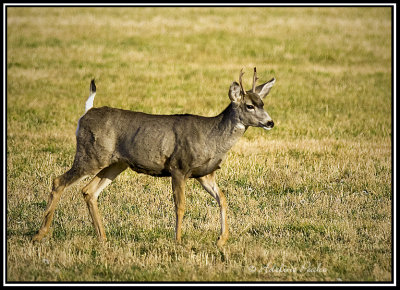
(157,144)
(109,140)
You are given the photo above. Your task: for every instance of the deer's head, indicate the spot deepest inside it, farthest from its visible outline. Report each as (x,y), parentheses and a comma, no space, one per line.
(249,104)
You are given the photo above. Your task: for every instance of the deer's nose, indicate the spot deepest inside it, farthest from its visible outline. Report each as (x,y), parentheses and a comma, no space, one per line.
(270,124)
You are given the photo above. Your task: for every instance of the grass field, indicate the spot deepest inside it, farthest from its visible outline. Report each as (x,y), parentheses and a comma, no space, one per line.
(310,200)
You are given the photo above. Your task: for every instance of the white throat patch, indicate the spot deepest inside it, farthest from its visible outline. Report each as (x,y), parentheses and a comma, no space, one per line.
(240,126)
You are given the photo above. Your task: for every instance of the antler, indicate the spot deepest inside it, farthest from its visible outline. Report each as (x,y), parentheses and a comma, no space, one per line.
(255,78)
(240,82)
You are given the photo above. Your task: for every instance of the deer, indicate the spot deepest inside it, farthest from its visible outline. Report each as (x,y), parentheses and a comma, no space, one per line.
(180,146)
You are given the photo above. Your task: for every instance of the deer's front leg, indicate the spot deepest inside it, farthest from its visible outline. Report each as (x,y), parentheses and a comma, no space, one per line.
(209,184)
(178,188)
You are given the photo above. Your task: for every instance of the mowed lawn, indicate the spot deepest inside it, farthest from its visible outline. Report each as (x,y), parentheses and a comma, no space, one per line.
(309,200)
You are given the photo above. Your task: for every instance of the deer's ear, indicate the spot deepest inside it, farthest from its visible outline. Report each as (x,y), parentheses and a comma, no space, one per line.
(234,93)
(263,90)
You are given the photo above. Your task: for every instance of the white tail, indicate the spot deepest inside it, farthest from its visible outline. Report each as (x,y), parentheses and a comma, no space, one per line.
(89,102)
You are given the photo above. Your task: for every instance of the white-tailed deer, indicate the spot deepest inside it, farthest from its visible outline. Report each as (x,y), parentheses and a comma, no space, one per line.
(185,146)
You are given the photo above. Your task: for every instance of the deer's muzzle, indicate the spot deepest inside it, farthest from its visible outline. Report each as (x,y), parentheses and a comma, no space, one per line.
(268,126)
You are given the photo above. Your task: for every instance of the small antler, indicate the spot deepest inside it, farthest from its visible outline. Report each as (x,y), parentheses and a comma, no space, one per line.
(255,78)
(240,82)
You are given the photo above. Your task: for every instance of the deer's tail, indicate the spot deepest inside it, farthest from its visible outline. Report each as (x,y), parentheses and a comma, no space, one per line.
(89,102)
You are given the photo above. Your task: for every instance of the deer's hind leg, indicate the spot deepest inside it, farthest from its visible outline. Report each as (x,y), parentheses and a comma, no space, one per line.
(178,188)
(93,189)
(60,183)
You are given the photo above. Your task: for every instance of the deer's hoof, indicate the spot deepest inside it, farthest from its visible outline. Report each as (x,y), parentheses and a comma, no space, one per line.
(38,237)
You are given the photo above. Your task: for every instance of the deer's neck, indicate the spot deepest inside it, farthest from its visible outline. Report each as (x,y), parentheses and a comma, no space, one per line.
(229,128)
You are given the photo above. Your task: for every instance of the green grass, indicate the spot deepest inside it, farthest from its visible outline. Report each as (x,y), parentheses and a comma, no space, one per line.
(309,200)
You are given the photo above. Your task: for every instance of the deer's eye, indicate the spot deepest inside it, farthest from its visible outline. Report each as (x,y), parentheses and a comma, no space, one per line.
(250,107)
